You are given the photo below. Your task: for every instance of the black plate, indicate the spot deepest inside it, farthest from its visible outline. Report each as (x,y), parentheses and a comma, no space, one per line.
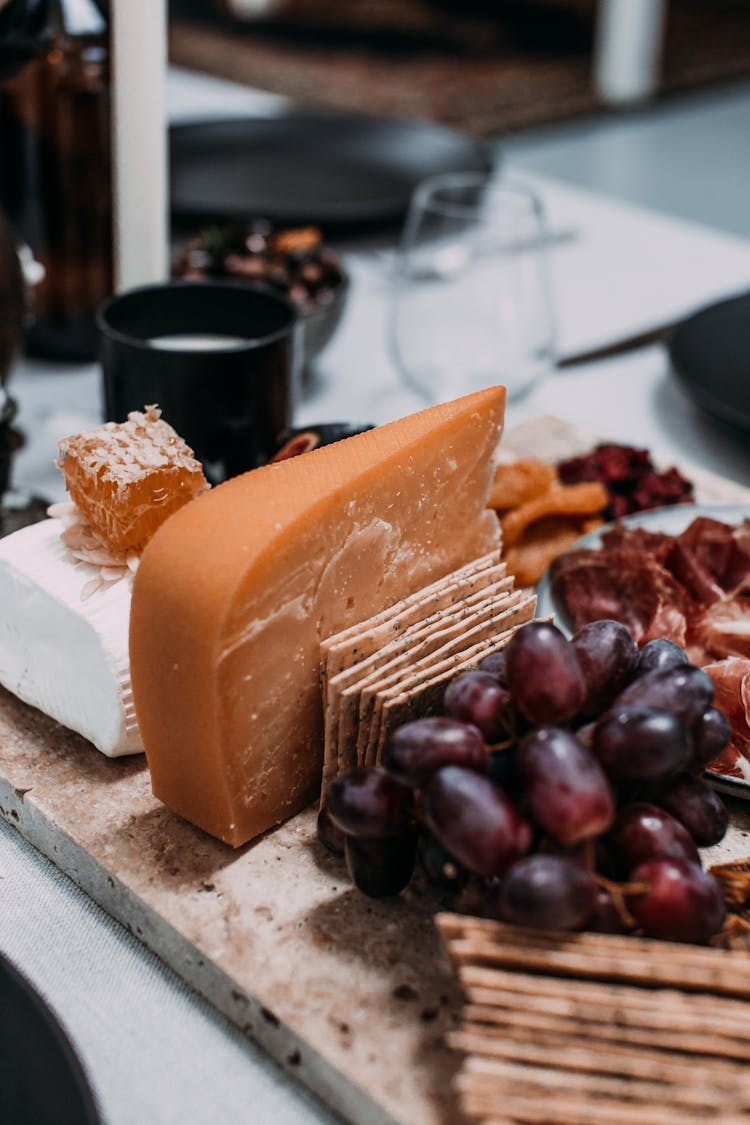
(41,1080)
(310,167)
(710,353)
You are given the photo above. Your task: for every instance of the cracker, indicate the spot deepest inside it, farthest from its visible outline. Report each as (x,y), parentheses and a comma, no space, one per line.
(345,646)
(418,642)
(489,619)
(376,647)
(422,693)
(425,697)
(354,644)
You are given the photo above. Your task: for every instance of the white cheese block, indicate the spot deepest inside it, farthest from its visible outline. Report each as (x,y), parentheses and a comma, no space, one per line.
(62,653)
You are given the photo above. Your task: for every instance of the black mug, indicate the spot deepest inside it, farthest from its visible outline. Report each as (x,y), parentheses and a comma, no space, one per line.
(221,360)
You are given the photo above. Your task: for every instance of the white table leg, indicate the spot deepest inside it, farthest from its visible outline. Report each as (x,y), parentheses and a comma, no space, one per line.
(628,49)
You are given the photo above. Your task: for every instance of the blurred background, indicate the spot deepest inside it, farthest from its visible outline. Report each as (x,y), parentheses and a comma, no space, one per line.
(486,66)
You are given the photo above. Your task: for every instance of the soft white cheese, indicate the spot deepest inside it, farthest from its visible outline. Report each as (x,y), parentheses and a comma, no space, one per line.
(66,655)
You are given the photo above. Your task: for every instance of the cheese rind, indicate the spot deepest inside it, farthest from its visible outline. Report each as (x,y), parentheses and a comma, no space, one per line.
(236,591)
(62,654)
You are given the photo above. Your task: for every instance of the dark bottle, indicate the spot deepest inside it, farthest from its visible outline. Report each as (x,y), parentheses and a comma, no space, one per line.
(55,163)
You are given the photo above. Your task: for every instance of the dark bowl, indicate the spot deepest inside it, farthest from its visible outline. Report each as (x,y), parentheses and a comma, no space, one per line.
(321,322)
(293,262)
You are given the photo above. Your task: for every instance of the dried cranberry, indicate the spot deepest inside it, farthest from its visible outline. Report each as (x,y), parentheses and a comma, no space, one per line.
(618,507)
(577,469)
(657,489)
(629,476)
(618,462)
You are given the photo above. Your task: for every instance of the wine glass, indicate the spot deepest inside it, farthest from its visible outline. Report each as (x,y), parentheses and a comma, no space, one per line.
(471,303)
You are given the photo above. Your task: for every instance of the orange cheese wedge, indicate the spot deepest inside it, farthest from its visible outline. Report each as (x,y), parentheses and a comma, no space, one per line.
(235,592)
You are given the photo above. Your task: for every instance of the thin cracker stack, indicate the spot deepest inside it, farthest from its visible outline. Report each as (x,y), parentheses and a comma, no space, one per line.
(442,634)
(394,667)
(562,1028)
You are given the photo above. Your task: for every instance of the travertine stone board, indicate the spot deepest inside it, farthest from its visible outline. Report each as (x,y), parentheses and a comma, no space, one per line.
(351,995)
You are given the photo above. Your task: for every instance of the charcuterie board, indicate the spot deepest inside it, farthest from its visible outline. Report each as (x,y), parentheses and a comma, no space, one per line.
(351,995)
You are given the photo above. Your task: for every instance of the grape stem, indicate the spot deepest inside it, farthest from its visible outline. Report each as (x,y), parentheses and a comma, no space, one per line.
(618,891)
(510,723)
(504,745)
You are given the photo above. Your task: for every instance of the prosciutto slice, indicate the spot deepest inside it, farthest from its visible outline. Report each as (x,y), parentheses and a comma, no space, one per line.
(624,584)
(723,628)
(688,588)
(731,679)
(722,551)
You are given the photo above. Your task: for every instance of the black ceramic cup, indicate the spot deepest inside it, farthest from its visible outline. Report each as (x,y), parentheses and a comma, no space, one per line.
(221,360)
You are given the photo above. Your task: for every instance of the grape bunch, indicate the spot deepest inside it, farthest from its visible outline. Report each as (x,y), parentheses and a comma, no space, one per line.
(561,789)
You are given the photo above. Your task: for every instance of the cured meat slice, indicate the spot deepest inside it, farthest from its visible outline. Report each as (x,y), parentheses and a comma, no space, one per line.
(720,548)
(669,622)
(653,543)
(622,584)
(723,629)
(731,678)
(731,761)
(585,584)
(687,567)
(684,588)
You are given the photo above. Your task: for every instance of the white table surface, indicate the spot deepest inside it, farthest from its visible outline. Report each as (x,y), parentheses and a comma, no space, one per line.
(154,1052)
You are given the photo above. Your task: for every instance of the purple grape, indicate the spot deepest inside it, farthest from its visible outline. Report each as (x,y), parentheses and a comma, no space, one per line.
(597,858)
(543,674)
(329,834)
(440,866)
(608,656)
(658,655)
(682,902)
(368,803)
(643,831)
(691,801)
(567,791)
(709,736)
(494,664)
(476,697)
(684,691)
(640,743)
(474,820)
(502,770)
(477,898)
(380,868)
(547,892)
(417,749)
(605,918)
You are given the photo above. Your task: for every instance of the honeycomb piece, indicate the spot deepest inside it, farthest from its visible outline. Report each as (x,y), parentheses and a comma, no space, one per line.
(127,478)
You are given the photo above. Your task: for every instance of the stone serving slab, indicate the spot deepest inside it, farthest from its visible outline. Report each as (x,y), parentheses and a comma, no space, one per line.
(351,995)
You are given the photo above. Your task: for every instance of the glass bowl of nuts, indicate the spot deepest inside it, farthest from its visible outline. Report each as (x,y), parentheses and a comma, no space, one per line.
(293,262)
